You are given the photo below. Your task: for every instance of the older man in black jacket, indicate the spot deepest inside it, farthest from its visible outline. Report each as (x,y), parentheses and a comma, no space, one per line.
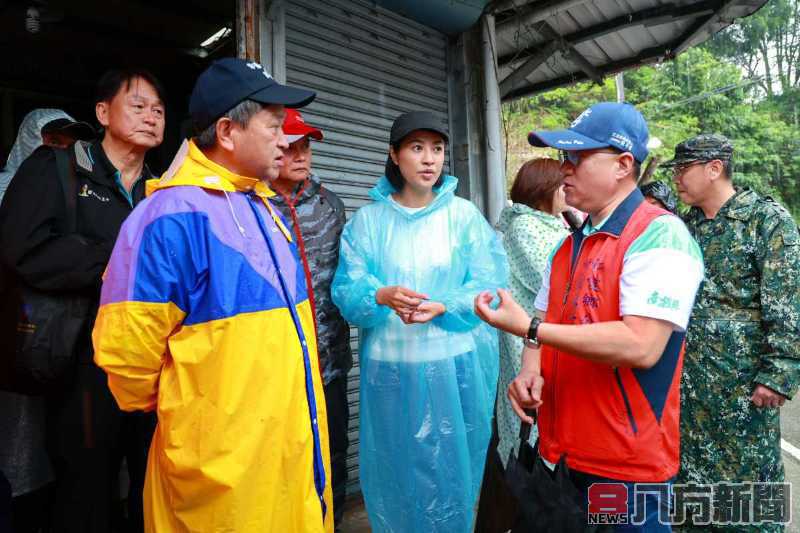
(88,433)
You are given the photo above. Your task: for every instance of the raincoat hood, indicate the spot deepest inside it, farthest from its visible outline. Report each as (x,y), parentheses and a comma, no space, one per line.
(514,211)
(192,167)
(383,191)
(29,138)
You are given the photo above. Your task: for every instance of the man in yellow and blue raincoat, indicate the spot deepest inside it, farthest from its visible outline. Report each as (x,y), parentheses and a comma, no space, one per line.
(205,319)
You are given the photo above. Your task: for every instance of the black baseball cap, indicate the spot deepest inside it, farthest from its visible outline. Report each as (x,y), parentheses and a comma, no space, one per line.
(417,120)
(230,81)
(77,130)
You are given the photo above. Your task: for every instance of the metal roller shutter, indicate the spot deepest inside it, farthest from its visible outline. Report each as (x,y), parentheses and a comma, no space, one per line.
(367,65)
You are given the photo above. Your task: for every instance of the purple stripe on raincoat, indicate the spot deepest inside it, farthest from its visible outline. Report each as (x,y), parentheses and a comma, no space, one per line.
(225,219)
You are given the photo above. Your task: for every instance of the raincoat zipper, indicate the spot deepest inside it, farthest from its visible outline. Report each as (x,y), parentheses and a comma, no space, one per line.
(319,464)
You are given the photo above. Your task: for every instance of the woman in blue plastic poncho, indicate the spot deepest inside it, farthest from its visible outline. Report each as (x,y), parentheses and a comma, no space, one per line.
(410,266)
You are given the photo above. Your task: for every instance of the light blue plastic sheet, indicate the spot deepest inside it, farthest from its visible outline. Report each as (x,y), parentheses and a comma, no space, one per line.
(427,390)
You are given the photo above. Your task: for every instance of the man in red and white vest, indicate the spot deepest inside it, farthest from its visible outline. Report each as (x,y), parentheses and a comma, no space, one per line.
(603,355)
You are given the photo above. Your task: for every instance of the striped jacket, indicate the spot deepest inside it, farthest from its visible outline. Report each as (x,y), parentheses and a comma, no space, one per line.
(204,317)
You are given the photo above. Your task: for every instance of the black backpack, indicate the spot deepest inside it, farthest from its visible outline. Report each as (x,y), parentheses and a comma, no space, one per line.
(40,330)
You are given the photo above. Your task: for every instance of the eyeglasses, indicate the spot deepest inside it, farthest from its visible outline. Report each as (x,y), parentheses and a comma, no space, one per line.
(575,156)
(680,169)
(569,156)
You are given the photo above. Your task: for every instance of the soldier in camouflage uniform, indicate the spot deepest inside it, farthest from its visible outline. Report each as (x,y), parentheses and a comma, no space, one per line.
(316,217)
(742,356)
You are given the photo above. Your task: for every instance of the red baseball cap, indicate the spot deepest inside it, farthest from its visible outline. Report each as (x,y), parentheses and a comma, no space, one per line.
(295,128)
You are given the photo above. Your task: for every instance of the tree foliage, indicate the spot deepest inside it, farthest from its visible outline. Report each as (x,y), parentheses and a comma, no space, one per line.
(766,45)
(708,89)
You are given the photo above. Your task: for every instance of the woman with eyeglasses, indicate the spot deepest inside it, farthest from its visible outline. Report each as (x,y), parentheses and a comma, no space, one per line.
(410,265)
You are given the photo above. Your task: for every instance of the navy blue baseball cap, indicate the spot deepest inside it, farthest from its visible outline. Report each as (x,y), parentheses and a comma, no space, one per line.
(230,81)
(604,125)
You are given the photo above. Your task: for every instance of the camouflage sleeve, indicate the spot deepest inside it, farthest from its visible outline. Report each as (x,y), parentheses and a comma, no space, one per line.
(780,304)
(337,205)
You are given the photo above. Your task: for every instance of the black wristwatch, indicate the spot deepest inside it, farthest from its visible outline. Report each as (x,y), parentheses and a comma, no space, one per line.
(531,340)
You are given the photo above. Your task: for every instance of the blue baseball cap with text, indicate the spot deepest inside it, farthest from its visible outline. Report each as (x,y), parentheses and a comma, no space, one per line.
(604,125)
(230,81)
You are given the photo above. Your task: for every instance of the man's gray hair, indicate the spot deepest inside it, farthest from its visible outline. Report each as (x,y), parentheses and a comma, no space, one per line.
(241,114)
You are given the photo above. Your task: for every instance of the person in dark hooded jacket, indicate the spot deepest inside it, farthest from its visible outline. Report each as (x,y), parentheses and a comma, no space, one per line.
(23,455)
(658,193)
(316,217)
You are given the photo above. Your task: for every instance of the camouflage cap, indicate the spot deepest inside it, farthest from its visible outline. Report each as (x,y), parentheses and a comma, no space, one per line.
(704,147)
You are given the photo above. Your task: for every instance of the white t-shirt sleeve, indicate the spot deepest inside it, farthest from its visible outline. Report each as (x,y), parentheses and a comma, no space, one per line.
(543,296)
(661,273)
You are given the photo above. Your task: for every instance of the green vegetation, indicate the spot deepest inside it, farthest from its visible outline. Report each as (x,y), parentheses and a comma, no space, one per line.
(745,84)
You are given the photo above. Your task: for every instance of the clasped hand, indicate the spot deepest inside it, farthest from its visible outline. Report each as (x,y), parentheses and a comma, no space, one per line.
(412,307)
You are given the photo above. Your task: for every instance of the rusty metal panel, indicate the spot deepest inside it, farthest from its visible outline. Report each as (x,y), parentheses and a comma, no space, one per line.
(248,36)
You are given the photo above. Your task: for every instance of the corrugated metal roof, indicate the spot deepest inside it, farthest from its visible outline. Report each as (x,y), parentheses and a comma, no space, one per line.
(543,44)
(448,16)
